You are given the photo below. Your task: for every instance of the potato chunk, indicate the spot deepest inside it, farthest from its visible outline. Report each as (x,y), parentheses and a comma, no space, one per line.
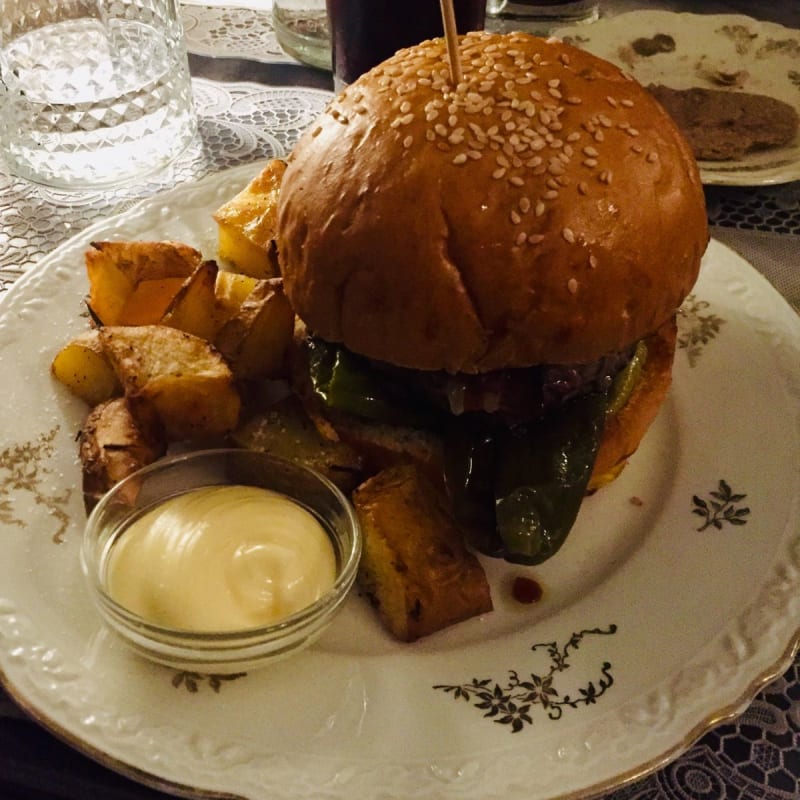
(285,430)
(247,224)
(255,341)
(230,291)
(113,444)
(193,307)
(182,377)
(132,283)
(82,366)
(415,567)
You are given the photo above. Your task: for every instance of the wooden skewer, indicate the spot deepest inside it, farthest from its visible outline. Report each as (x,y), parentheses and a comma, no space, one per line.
(451,37)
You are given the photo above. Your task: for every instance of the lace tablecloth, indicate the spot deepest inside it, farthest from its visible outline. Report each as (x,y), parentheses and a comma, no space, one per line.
(757,757)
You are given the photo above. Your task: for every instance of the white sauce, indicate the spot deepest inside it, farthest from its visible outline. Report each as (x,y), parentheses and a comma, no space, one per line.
(221,558)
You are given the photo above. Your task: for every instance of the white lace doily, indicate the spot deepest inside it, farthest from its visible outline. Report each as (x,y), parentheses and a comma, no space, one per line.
(238,123)
(232,31)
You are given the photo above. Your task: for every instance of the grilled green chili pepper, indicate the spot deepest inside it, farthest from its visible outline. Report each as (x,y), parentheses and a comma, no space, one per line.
(518,490)
(627,379)
(342,380)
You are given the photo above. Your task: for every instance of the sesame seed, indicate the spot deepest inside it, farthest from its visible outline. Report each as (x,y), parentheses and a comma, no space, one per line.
(408,141)
(590,151)
(612,102)
(550,194)
(598,136)
(627,103)
(569,235)
(637,148)
(535,238)
(574,101)
(590,162)
(498,173)
(524,205)
(652,157)
(430,135)
(573,137)
(516,180)
(632,132)
(539,210)
(460,158)
(405,107)
(515,217)
(593,261)
(583,187)
(521,237)
(572,285)
(474,154)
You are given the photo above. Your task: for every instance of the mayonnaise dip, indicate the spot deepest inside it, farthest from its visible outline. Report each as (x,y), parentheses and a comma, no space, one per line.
(221,558)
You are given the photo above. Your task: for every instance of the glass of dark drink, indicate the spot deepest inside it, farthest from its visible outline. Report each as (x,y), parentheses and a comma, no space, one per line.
(366,32)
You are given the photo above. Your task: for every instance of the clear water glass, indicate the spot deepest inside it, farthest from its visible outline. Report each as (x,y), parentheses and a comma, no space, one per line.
(92,93)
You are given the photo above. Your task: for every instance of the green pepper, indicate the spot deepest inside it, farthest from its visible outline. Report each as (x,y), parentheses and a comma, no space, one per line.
(518,490)
(623,384)
(344,381)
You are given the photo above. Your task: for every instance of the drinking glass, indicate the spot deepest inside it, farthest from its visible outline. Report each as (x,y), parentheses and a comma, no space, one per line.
(301,28)
(540,16)
(92,92)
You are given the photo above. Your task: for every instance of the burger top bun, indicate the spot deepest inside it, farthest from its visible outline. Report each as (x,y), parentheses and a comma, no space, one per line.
(546,210)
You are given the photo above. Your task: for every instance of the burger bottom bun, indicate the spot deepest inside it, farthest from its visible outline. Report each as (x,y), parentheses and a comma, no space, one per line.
(625,430)
(382,446)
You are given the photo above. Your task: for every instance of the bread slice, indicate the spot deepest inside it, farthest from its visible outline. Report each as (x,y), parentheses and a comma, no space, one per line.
(725,125)
(415,567)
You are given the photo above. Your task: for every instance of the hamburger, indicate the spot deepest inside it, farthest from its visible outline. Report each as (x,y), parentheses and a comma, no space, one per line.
(489,273)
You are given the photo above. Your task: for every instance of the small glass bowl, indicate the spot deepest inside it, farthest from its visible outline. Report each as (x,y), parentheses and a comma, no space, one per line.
(229,651)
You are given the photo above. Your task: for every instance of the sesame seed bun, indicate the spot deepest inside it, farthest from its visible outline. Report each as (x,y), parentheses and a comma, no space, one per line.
(545,211)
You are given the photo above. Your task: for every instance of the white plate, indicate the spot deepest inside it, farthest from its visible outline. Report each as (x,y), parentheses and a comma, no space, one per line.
(650,631)
(766,55)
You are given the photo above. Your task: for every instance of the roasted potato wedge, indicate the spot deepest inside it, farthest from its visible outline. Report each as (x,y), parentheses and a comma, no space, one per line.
(193,308)
(82,366)
(285,430)
(415,567)
(181,377)
(132,283)
(247,224)
(113,444)
(255,341)
(230,291)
